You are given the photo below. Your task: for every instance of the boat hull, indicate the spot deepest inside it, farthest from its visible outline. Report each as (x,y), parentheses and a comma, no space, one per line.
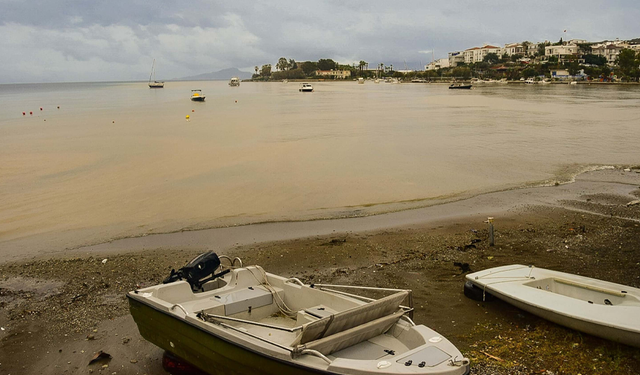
(203,349)
(592,306)
(198,99)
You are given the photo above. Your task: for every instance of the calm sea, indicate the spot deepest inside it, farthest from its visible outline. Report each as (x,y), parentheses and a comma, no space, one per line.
(120,159)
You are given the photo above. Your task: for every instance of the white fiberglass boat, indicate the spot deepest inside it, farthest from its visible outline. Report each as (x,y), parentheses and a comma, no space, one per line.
(256,322)
(596,307)
(306,87)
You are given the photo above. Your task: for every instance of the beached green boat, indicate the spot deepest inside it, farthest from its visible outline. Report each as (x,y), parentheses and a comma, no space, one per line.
(245,320)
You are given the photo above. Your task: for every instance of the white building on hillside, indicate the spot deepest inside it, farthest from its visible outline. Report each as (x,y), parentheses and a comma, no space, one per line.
(609,51)
(455,58)
(438,64)
(477,54)
(513,49)
(561,52)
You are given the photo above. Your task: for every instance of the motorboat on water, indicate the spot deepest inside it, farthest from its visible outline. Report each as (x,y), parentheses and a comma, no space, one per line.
(530,81)
(306,87)
(154,84)
(234,82)
(593,306)
(197,96)
(256,322)
(361,81)
(459,86)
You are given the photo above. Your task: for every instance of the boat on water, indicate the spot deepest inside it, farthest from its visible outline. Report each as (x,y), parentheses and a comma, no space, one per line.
(234,82)
(197,96)
(459,86)
(253,321)
(361,81)
(306,87)
(530,81)
(154,84)
(599,308)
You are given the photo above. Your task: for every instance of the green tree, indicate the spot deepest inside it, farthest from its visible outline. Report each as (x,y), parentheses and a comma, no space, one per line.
(594,59)
(584,48)
(362,64)
(529,72)
(308,67)
(283,64)
(293,64)
(491,58)
(326,64)
(266,70)
(256,68)
(627,61)
(573,68)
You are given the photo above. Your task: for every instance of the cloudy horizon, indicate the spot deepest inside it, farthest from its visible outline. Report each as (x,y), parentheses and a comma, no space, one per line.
(72,40)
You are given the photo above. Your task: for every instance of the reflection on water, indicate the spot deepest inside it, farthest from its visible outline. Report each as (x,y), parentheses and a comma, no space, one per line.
(121,159)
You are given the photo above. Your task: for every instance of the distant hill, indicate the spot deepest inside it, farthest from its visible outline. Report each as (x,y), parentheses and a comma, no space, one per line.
(221,74)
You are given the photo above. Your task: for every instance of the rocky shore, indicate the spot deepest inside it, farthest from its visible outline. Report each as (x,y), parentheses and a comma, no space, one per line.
(56,313)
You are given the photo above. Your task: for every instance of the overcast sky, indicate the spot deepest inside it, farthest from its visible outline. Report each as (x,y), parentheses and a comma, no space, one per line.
(74,40)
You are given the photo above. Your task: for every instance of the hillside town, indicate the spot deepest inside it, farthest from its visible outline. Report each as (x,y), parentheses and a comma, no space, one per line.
(575,60)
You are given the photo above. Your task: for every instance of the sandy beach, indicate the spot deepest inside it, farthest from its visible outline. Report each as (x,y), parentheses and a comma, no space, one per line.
(60,308)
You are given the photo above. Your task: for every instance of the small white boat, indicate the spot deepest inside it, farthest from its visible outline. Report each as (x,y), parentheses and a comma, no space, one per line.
(530,81)
(306,87)
(255,322)
(234,82)
(197,96)
(154,84)
(573,83)
(361,81)
(596,307)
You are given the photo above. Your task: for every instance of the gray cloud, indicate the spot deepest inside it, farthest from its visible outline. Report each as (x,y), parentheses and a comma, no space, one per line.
(72,40)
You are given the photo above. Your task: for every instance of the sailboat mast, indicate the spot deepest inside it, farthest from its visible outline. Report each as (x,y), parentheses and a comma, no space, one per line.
(153,71)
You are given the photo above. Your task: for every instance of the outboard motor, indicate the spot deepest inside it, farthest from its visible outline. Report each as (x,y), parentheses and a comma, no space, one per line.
(198,271)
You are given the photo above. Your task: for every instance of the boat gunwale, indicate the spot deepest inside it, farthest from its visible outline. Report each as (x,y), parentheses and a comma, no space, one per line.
(498,293)
(140,300)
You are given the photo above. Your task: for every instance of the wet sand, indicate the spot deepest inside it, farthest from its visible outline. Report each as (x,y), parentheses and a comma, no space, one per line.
(61,308)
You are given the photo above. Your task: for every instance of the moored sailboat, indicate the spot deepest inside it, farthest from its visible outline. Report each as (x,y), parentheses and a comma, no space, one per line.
(155,84)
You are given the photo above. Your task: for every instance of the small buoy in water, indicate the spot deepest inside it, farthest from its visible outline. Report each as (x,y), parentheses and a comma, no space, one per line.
(31,112)
(113,122)
(187,117)
(236,101)
(45,119)
(58,107)
(193,110)
(24,113)
(41,108)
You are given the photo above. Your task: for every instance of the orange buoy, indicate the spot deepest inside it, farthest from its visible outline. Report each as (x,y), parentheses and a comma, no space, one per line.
(41,108)
(24,113)
(31,112)
(193,110)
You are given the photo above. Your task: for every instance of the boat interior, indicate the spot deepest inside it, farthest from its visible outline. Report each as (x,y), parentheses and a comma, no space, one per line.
(307,319)
(585,292)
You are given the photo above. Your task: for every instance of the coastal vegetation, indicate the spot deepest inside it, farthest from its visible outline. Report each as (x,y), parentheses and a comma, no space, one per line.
(584,65)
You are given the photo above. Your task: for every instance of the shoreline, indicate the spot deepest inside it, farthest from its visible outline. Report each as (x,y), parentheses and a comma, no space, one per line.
(495,203)
(59,310)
